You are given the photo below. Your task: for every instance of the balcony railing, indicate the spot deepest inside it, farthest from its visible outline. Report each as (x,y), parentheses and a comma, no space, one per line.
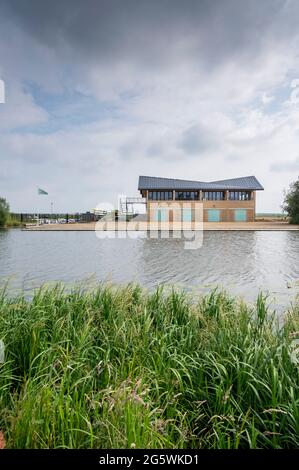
(135,200)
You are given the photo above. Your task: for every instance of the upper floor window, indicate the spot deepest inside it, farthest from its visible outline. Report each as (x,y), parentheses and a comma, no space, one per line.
(240,195)
(213,196)
(186,195)
(160,195)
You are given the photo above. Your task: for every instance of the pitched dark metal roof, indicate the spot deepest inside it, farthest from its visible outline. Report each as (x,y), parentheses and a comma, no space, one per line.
(243,183)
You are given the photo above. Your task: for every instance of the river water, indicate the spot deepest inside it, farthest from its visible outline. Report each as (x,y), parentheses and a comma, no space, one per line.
(242,263)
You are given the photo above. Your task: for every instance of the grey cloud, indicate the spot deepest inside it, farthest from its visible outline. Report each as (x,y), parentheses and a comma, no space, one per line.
(288,165)
(232,157)
(154,33)
(196,140)
(151,47)
(155,150)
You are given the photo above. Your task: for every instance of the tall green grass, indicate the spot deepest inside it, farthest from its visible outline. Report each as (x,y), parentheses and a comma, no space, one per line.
(121,368)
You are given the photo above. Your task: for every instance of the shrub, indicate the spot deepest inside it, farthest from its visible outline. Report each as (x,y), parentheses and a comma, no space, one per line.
(291,202)
(4,211)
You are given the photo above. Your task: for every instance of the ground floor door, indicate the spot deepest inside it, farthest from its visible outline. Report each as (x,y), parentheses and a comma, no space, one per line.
(187,215)
(214,215)
(161,215)
(240,215)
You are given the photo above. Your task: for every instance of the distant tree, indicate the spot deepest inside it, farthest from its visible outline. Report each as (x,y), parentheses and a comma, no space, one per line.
(291,202)
(4,211)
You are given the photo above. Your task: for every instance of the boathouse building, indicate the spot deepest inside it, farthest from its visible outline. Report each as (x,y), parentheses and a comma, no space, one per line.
(231,200)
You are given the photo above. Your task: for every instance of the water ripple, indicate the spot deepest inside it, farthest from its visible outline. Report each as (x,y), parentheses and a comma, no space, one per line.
(241,262)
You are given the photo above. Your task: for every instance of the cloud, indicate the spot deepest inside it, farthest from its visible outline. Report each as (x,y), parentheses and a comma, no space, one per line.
(19,110)
(196,140)
(100,92)
(152,32)
(266,99)
(288,166)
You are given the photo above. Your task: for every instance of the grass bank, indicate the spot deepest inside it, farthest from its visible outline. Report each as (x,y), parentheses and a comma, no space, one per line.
(123,368)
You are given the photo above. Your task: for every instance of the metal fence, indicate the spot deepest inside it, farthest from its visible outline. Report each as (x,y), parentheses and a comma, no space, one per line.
(65,217)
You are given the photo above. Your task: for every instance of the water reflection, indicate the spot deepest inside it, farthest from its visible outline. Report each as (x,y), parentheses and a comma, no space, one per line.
(241,262)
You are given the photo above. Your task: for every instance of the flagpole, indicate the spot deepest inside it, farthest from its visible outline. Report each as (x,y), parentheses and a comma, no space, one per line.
(37,213)
(40,192)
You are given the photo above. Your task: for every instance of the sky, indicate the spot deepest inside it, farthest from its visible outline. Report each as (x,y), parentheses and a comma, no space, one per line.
(99,92)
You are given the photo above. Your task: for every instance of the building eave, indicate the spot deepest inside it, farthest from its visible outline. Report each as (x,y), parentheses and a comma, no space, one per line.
(245,183)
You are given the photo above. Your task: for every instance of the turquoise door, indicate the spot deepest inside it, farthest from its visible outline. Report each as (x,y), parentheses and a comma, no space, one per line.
(240,215)
(187,215)
(214,215)
(161,215)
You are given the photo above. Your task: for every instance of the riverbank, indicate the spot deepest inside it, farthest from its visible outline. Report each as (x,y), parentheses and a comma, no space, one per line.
(121,368)
(144,226)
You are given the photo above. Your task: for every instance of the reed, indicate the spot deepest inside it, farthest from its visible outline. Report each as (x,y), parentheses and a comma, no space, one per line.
(120,367)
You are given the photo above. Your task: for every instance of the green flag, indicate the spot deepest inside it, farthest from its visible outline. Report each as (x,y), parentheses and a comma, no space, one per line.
(41,191)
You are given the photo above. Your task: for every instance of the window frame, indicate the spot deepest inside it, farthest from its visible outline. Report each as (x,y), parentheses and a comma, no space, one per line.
(186,195)
(213,195)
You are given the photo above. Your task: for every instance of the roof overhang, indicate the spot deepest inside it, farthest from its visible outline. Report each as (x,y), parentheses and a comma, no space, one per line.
(244,183)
